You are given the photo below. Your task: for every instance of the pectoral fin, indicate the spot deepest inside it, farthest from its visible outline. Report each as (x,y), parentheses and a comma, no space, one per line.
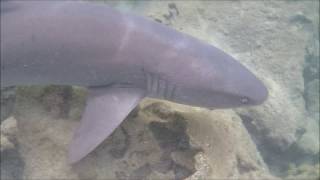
(106,109)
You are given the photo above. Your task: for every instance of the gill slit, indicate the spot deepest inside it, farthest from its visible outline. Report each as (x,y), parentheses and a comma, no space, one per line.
(172,94)
(159,87)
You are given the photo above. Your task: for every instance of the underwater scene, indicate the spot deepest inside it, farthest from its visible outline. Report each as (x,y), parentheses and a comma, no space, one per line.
(221,89)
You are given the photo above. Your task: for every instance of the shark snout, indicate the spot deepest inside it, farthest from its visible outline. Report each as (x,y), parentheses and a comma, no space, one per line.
(251,90)
(245,87)
(258,94)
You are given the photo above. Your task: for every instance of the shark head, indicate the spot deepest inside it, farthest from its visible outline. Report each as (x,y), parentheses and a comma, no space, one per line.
(210,78)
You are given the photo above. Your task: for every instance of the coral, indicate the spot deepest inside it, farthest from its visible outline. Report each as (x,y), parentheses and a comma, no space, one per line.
(303,171)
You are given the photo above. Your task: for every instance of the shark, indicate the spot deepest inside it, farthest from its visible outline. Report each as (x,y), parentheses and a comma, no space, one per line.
(121,58)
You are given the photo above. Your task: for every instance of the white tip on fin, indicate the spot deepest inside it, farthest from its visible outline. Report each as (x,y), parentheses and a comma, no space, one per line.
(106,109)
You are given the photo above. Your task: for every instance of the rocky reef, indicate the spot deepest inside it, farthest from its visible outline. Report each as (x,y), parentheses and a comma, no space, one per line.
(277,40)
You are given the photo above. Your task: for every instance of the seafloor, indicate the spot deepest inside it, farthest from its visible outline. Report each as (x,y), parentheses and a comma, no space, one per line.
(277,40)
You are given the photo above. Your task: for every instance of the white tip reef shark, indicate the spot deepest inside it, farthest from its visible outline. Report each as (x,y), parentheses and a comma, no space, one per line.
(121,58)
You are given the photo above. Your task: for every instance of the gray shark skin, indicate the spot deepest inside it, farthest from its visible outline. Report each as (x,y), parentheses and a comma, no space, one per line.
(121,58)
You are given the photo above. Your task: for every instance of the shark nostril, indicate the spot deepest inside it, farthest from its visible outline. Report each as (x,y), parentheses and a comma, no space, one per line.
(244,100)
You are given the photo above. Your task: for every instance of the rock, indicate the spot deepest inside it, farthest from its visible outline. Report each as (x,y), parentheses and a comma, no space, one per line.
(184,162)
(9,127)
(56,100)
(312,98)
(12,164)
(77,102)
(147,145)
(305,171)
(8,132)
(135,112)
(5,143)
(159,109)
(271,125)
(303,136)
(171,136)
(42,138)
(311,67)
(7,102)
(202,165)
(309,141)
(227,147)
(120,141)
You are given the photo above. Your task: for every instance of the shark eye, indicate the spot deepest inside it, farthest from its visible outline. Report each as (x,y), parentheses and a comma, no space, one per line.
(244,100)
